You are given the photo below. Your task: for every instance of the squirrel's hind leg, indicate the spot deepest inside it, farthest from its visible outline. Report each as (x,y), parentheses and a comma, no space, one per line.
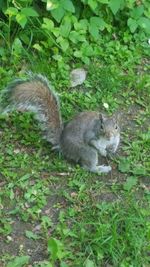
(89,161)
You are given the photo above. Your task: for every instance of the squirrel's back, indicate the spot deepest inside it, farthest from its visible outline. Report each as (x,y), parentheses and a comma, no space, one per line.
(35,94)
(73,138)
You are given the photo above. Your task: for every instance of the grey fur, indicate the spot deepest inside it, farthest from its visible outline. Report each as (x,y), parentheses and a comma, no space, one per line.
(86,136)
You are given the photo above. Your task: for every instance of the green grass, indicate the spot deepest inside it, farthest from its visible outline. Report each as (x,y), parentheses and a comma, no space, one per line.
(76,218)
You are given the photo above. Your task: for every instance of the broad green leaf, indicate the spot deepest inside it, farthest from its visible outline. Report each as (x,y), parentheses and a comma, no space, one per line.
(76,37)
(57,57)
(68,5)
(78,54)
(38,47)
(93,4)
(11,11)
(87,49)
(130,183)
(95,25)
(17,47)
(85,60)
(115,5)
(21,19)
(64,44)
(50,5)
(103,1)
(94,31)
(55,248)
(29,12)
(56,31)
(144,23)
(19,261)
(99,22)
(132,24)
(65,27)
(81,25)
(48,24)
(137,12)
(58,13)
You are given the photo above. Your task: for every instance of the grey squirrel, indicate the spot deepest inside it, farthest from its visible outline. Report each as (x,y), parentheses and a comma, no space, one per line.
(86,136)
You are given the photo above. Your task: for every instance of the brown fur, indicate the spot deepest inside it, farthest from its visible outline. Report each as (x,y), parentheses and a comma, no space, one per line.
(36,95)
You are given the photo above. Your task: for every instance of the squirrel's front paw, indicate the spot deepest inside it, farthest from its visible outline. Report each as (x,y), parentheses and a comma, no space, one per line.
(111,149)
(104,169)
(103,153)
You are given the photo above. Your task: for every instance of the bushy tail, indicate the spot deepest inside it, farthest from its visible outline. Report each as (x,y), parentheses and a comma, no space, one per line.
(36,95)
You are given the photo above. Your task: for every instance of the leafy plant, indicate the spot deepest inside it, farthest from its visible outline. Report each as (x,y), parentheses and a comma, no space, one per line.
(19,261)
(67,27)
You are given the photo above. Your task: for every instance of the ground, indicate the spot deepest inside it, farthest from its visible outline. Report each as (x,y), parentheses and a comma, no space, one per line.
(56,214)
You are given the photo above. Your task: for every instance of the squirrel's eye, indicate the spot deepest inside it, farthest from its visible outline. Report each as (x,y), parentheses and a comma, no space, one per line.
(102,127)
(116,127)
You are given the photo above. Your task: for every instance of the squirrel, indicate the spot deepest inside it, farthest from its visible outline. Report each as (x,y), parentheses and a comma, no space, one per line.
(81,140)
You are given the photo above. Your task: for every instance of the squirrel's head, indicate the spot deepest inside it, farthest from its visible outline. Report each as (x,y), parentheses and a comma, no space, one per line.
(108,126)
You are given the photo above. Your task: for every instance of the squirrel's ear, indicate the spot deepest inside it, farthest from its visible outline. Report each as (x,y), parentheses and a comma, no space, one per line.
(102,117)
(117,116)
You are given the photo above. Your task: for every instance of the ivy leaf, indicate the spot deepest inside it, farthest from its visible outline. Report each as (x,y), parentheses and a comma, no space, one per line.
(21,19)
(93,4)
(11,11)
(98,22)
(63,42)
(103,1)
(38,47)
(137,12)
(19,261)
(76,37)
(78,54)
(130,183)
(115,5)
(81,25)
(95,25)
(65,27)
(48,24)
(68,5)
(50,5)
(132,23)
(58,13)
(64,45)
(87,49)
(144,23)
(17,46)
(63,6)
(29,12)
(94,31)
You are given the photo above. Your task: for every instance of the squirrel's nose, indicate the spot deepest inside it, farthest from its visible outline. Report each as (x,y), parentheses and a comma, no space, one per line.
(109,135)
